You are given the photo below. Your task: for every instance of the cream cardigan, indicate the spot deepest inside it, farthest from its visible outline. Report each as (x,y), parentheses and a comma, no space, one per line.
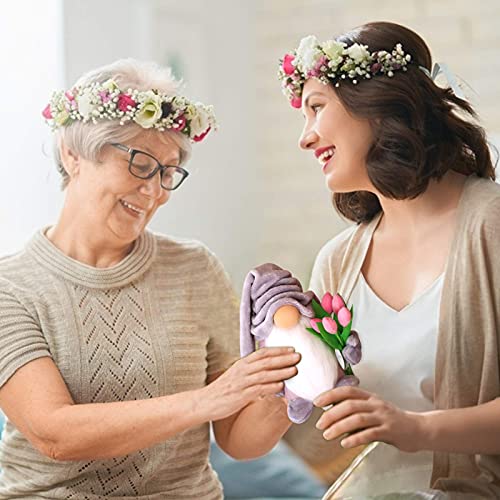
(468,358)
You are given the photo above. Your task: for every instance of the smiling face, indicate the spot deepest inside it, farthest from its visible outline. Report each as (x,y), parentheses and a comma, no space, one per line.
(339,141)
(105,198)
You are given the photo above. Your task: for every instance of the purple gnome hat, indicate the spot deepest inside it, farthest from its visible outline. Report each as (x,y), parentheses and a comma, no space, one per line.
(267,288)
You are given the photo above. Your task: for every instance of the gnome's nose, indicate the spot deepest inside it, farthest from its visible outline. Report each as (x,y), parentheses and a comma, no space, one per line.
(286,317)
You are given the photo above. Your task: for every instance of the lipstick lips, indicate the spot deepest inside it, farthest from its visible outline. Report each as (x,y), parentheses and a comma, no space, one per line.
(318,152)
(324,155)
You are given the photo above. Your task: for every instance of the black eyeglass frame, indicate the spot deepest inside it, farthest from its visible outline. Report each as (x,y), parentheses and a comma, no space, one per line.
(159,167)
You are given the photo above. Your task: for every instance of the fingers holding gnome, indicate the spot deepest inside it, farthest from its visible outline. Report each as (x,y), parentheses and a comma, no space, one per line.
(276,312)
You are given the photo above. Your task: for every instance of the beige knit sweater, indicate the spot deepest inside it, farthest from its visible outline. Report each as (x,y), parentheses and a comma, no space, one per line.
(468,351)
(157,323)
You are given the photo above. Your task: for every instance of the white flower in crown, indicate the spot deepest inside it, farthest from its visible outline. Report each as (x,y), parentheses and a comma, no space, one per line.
(61,117)
(334,62)
(334,51)
(85,105)
(110,85)
(358,53)
(308,53)
(149,111)
(190,111)
(200,122)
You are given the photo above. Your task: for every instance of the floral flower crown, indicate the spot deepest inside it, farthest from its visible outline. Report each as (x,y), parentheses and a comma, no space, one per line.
(332,62)
(148,109)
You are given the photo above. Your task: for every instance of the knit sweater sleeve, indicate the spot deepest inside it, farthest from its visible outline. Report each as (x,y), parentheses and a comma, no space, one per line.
(221,317)
(468,350)
(21,339)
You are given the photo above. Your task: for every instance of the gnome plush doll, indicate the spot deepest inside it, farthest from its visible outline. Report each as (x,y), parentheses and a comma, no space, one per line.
(276,312)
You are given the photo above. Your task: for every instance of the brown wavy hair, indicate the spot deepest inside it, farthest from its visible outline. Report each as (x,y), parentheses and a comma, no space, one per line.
(420,130)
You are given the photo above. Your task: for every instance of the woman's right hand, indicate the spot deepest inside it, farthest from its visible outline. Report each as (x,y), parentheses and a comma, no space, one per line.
(255,376)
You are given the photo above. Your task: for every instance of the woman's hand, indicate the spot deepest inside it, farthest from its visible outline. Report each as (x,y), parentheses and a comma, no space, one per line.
(255,376)
(367,418)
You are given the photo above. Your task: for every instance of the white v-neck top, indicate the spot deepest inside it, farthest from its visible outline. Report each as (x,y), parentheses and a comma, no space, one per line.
(397,364)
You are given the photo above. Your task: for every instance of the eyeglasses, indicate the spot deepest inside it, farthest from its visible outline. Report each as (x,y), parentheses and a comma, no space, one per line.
(145,166)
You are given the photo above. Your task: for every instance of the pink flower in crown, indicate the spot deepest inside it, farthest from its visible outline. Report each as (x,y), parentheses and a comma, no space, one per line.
(46,113)
(344,316)
(296,102)
(337,303)
(125,102)
(326,302)
(104,95)
(200,137)
(288,67)
(181,123)
(70,103)
(322,61)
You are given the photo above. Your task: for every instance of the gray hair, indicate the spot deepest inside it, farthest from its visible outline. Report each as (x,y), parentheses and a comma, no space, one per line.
(87,139)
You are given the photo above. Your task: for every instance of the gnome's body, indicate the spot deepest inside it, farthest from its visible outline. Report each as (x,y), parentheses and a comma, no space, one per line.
(275,312)
(318,369)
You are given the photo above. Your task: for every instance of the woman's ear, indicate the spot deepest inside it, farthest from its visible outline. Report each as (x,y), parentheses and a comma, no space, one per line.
(70,160)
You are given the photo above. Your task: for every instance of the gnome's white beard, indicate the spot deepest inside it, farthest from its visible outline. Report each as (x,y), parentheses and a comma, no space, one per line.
(318,369)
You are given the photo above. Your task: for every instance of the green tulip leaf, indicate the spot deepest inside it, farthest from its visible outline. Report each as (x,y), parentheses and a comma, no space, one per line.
(323,339)
(348,370)
(346,332)
(331,340)
(318,310)
(314,332)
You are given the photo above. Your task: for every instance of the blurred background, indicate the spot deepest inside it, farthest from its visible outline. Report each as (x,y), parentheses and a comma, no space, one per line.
(253,196)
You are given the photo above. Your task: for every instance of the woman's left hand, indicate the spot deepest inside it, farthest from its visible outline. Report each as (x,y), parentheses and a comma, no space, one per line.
(367,418)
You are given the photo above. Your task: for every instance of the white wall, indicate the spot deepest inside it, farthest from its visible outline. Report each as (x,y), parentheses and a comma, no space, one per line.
(212,44)
(252,196)
(31,49)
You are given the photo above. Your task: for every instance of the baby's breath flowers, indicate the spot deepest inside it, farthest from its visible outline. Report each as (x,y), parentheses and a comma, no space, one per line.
(332,62)
(148,109)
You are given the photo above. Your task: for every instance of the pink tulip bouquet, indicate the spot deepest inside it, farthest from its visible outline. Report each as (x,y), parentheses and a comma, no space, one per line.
(332,325)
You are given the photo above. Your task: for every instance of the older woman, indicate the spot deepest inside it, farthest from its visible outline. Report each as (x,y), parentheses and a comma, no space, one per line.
(117,344)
